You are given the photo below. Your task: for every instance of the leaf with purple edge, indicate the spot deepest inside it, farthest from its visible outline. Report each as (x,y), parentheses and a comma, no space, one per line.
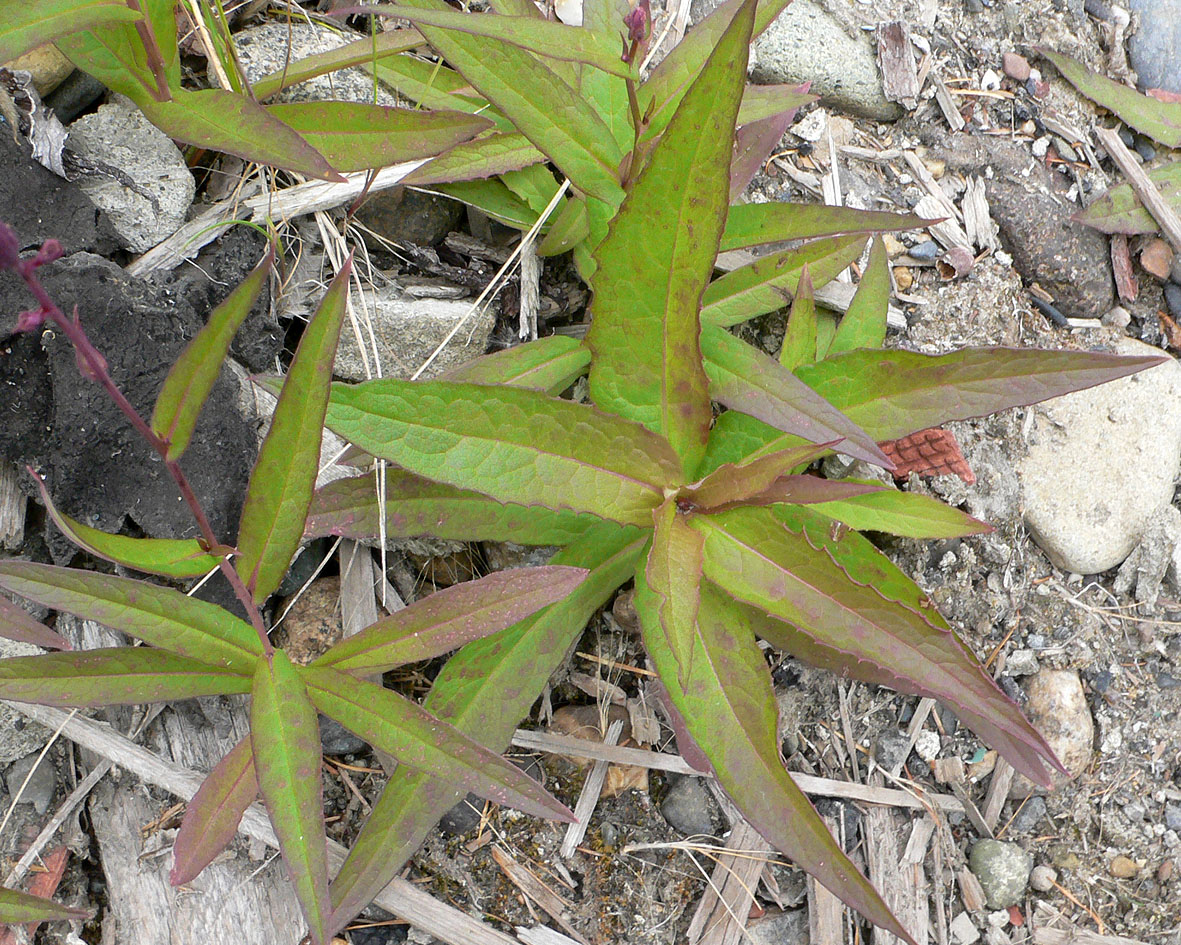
(212,816)
(17,624)
(17,907)
(433,85)
(668,587)
(907,514)
(356,136)
(417,507)
(192,376)
(483,690)
(285,741)
(728,706)
(121,675)
(753,142)
(25,26)
(515,445)
(745,379)
(864,324)
(894,393)
(1119,210)
(157,615)
(446,620)
(734,482)
(415,738)
(471,160)
(768,284)
(284,476)
(799,339)
(550,364)
(752,224)
(766,101)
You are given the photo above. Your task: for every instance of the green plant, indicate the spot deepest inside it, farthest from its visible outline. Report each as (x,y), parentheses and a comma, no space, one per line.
(725,535)
(197,648)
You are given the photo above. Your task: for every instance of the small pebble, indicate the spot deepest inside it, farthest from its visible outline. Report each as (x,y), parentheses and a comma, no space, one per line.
(1145,149)
(1021,663)
(1030,815)
(894,246)
(1042,878)
(927,745)
(1066,149)
(1117,317)
(998,919)
(1157,258)
(1167,681)
(1040,147)
(42,783)
(1173,298)
(963,929)
(1127,137)
(1029,127)
(1164,872)
(974,6)
(990,81)
(1015,66)
(903,278)
(1003,870)
(928,251)
(1122,868)
(890,750)
(1173,816)
(686,807)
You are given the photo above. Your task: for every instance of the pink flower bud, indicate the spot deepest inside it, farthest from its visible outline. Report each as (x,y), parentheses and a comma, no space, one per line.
(50,250)
(31,320)
(639,22)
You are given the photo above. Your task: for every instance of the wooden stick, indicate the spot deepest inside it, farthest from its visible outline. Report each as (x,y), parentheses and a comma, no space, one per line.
(589,798)
(1145,189)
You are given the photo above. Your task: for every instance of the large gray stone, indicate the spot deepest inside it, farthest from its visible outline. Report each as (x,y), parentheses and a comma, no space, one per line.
(805,43)
(119,136)
(1152,49)
(1101,465)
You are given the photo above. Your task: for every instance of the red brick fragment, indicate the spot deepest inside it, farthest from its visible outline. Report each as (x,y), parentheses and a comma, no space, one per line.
(932,452)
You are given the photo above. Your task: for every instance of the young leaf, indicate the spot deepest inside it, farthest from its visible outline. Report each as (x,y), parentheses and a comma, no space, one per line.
(852,601)
(658,258)
(728,707)
(17,907)
(25,26)
(354,136)
(799,340)
(907,514)
(753,142)
(768,284)
(894,393)
(225,121)
(751,224)
(569,228)
(285,738)
(420,741)
(1120,210)
(446,620)
(121,675)
(864,324)
(734,482)
(193,375)
(471,160)
(483,690)
(212,816)
(416,507)
(547,38)
(494,199)
(515,445)
(284,477)
(157,615)
(114,55)
(550,364)
(668,588)
(16,624)
(743,378)
(379,47)
(760,102)
(1161,121)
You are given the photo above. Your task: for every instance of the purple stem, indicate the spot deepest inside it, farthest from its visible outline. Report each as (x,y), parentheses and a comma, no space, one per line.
(147,36)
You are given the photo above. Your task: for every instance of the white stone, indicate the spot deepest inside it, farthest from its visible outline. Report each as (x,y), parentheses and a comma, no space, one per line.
(1101,465)
(963,930)
(927,745)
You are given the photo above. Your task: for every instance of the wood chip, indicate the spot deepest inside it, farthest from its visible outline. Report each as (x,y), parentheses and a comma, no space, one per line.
(978,225)
(971,892)
(1144,188)
(826,913)
(1157,258)
(951,114)
(1126,283)
(998,792)
(725,905)
(525,880)
(900,81)
(589,798)
(12,508)
(900,879)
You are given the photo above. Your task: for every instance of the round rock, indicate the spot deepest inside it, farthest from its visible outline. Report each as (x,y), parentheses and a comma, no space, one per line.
(1153,47)
(1003,870)
(686,807)
(1058,709)
(1101,465)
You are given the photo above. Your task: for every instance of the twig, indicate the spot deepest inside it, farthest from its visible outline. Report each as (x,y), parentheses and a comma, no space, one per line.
(1144,188)
(589,797)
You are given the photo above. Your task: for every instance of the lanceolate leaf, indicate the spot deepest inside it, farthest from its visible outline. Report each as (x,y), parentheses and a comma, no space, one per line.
(743,378)
(753,143)
(760,102)
(658,258)
(471,160)
(233,123)
(446,620)
(354,136)
(25,26)
(548,38)
(212,816)
(121,675)
(17,907)
(728,707)
(379,47)
(494,199)
(848,597)
(516,445)
(799,340)
(908,514)
(540,104)
(284,476)
(484,691)
(157,615)
(768,284)
(431,85)
(16,624)
(285,738)
(1161,121)
(894,393)
(417,507)
(1120,211)
(750,224)
(420,741)
(668,588)
(569,229)
(550,364)
(864,324)
(193,375)
(737,481)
